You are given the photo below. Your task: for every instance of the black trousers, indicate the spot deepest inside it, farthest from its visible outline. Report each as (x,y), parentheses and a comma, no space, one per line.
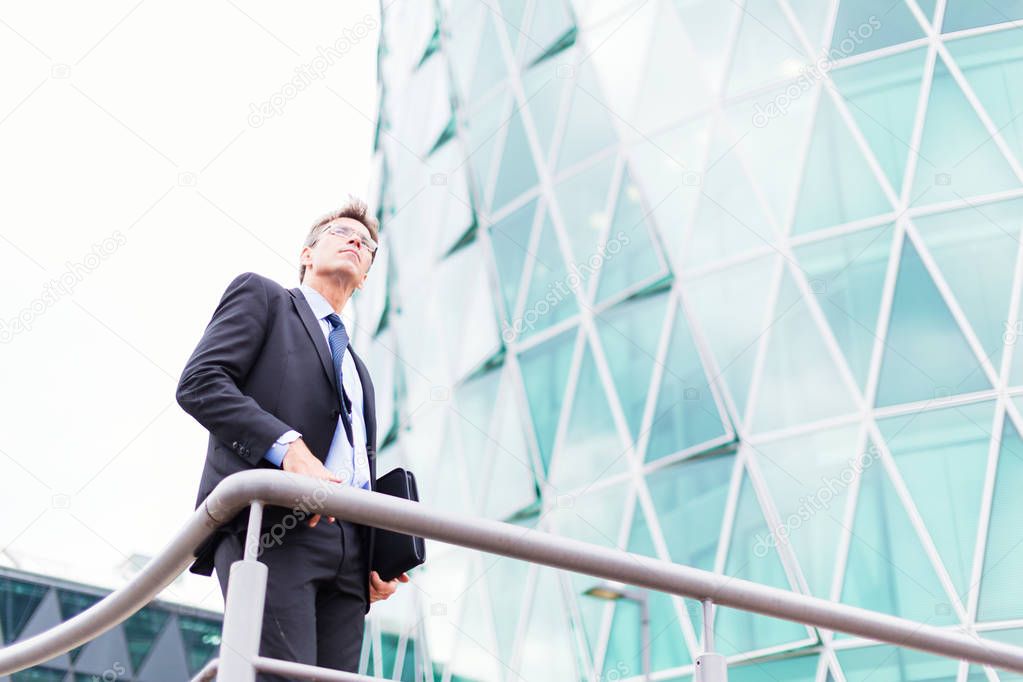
(315,598)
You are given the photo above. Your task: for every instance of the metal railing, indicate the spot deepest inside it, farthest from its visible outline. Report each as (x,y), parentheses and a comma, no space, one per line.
(239,658)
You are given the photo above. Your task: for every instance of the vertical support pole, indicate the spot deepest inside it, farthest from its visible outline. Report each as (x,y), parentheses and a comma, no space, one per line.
(243,610)
(252,531)
(644,628)
(710,666)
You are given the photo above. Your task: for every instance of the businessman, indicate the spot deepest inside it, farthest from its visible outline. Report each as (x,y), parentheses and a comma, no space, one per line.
(277,384)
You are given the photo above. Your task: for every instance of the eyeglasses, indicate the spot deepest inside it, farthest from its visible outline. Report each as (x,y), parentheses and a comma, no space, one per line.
(347,232)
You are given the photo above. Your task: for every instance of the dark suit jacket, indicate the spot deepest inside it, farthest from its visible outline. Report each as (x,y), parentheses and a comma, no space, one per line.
(261,368)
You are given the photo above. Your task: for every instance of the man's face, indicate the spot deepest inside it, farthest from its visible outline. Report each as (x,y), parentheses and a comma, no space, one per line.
(334,255)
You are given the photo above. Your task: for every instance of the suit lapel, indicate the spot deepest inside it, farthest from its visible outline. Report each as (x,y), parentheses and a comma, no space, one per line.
(368,402)
(312,327)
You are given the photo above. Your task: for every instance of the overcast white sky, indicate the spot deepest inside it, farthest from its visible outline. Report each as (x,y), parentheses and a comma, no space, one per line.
(132,170)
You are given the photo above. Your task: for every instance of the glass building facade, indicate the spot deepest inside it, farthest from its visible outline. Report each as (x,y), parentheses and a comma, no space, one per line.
(159,643)
(734,284)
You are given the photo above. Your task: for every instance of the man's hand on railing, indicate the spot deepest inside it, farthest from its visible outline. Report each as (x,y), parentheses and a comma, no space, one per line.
(300,460)
(382,589)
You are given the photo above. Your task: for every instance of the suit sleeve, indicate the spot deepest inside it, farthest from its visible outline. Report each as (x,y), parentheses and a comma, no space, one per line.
(209,385)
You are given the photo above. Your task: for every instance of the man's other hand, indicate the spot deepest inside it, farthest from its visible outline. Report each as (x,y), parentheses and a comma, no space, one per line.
(380,589)
(299,459)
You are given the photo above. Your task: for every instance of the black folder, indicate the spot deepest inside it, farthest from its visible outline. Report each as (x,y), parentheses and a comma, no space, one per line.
(395,553)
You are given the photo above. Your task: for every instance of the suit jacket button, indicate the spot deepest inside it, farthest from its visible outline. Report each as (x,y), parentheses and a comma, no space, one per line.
(335,413)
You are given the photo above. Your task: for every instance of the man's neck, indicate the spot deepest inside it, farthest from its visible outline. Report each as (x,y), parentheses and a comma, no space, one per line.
(336,291)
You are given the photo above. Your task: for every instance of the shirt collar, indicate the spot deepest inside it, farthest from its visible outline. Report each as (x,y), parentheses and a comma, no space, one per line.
(320,306)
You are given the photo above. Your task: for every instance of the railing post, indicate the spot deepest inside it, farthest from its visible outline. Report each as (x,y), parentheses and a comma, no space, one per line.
(243,610)
(710,666)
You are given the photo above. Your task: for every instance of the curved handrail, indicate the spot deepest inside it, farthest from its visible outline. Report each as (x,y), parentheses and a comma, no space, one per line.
(360,506)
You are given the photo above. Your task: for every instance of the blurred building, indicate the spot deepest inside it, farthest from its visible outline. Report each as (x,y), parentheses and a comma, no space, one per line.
(161,642)
(734,284)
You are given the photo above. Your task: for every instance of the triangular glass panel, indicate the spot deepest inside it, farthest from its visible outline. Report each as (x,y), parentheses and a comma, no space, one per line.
(485,122)
(201,638)
(729,219)
(692,489)
(867,25)
(164,657)
(549,25)
(808,477)
(666,167)
(563,42)
(445,135)
(629,333)
(957,156)
(838,186)
(813,15)
(796,669)
(544,375)
(975,249)
(548,652)
(431,46)
(506,581)
(595,517)
(476,653)
(71,604)
(799,380)
(544,90)
(588,128)
(510,240)
(1000,596)
(877,663)
(141,630)
(592,448)
(743,290)
(108,655)
(630,254)
(926,354)
(475,399)
(963,14)
(709,25)
(490,66)
(766,50)
(18,600)
(988,62)
(847,274)
(516,172)
(511,16)
(45,616)
(945,450)
(549,299)
(735,630)
(882,96)
(667,648)
(887,569)
(667,95)
(780,125)
(686,413)
(583,202)
(928,7)
(512,482)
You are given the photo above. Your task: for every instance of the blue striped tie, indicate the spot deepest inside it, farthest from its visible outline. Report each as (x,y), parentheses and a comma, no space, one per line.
(338,340)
